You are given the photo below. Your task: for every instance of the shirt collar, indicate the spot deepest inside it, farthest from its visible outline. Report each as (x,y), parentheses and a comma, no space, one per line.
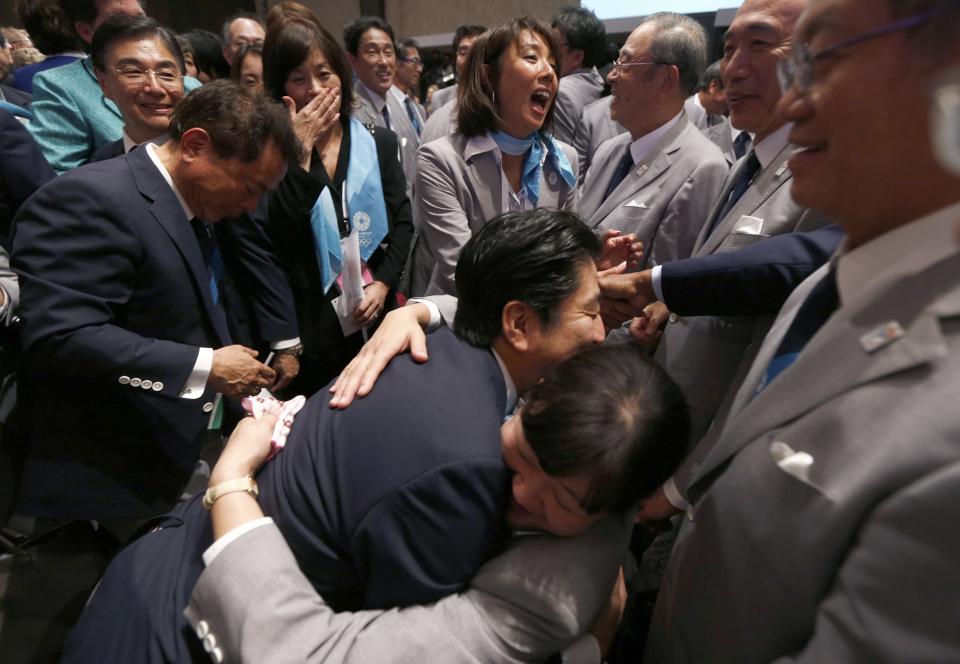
(896,254)
(768,149)
(508,382)
(377,101)
(641,147)
(129,143)
(152,152)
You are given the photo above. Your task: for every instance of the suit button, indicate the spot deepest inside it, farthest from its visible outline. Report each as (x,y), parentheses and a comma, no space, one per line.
(158,386)
(216,655)
(209,642)
(207,407)
(202,629)
(673,318)
(147,384)
(124,380)
(134,382)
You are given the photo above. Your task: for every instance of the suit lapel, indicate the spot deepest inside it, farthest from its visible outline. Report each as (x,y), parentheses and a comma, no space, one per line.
(655,163)
(839,359)
(485,179)
(774,176)
(166,210)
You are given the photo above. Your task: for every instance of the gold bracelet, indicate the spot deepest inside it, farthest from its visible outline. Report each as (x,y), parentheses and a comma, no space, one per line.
(246,484)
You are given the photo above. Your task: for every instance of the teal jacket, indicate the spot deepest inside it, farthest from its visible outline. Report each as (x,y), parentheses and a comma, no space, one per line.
(72,118)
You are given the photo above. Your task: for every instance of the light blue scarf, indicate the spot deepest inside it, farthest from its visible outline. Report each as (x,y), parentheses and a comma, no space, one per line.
(365,207)
(534,150)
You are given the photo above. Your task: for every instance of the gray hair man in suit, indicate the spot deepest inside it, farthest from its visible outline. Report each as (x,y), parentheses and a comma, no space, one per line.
(817,517)
(661,179)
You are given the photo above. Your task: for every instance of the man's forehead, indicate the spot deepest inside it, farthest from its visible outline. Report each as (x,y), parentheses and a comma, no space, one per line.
(244,26)
(136,48)
(373,35)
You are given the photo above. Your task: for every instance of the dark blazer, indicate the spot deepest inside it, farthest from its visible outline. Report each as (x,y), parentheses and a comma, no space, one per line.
(752,281)
(394,501)
(116,304)
(23,168)
(108,151)
(18,97)
(326,351)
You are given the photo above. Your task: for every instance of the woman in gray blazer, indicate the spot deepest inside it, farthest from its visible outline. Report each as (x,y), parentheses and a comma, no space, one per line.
(502,157)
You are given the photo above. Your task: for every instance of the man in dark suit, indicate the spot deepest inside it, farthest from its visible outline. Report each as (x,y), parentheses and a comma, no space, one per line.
(23,168)
(125,336)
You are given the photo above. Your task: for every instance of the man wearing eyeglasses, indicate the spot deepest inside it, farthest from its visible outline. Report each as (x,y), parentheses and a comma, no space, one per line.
(140,68)
(238,31)
(823,519)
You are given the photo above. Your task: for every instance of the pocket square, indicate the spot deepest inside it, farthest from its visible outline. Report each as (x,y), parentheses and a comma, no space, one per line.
(793,463)
(749,225)
(637,204)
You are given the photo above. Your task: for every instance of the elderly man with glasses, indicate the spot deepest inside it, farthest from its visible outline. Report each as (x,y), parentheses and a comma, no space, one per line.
(821,519)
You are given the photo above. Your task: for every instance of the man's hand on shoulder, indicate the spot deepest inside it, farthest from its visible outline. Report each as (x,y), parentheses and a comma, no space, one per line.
(237,373)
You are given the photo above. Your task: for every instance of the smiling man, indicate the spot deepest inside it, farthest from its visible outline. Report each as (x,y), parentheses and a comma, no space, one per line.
(125,328)
(818,523)
(140,68)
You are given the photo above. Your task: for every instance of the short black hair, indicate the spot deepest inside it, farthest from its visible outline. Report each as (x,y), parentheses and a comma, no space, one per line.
(288,45)
(241,123)
(477,109)
(404,44)
(123,26)
(612,412)
(227,22)
(710,74)
(354,32)
(535,257)
(208,53)
(583,30)
(48,26)
(466,31)
(81,11)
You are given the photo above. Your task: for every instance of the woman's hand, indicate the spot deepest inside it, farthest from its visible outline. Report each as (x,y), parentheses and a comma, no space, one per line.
(314,120)
(246,450)
(618,248)
(374,295)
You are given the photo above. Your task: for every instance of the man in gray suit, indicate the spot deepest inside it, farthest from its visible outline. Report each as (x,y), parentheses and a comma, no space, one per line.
(369,42)
(595,127)
(583,45)
(703,354)
(463,40)
(661,179)
(711,97)
(819,515)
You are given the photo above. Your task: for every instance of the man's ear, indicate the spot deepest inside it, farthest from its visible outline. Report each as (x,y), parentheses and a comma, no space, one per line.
(85,30)
(517,323)
(194,143)
(352,59)
(576,56)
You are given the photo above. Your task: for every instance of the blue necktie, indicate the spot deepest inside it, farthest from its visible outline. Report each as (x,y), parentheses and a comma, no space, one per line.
(623,169)
(386,116)
(739,188)
(414,116)
(741,144)
(814,312)
(212,258)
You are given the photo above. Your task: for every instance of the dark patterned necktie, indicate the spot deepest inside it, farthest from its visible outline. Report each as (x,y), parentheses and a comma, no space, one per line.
(623,169)
(739,188)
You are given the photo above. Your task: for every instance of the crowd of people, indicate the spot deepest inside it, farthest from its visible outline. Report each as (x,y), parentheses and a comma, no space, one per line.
(306,361)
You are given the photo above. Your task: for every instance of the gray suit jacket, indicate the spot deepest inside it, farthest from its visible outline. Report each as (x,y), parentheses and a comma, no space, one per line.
(665,199)
(856,559)
(442,97)
(460,190)
(703,353)
(594,128)
(365,111)
(530,601)
(575,91)
(720,134)
(442,122)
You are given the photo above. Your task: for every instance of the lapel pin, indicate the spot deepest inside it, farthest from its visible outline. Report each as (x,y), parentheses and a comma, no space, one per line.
(782,169)
(880,336)
(642,170)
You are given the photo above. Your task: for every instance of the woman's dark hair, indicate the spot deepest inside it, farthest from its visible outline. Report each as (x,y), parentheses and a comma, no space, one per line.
(477,111)
(208,53)
(48,26)
(242,53)
(287,46)
(241,123)
(291,11)
(123,26)
(535,257)
(612,412)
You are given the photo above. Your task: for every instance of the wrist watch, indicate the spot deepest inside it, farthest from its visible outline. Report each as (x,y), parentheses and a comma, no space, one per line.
(246,484)
(296,350)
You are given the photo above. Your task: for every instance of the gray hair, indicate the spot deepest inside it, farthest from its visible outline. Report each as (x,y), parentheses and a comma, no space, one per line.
(681,41)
